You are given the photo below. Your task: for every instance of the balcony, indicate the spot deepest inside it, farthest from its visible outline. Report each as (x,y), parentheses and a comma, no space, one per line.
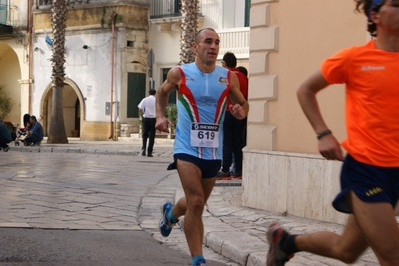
(11,19)
(235,40)
(43,4)
(167,16)
(164,9)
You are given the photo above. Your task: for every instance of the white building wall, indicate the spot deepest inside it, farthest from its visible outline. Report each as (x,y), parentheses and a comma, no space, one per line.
(166,47)
(88,68)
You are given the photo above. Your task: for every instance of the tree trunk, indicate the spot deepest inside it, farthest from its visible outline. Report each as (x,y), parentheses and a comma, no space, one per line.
(189,24)
(57,132)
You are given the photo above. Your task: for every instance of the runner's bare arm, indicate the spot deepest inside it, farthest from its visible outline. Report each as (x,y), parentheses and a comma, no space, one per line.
(240,106)
(171,83)
(329,147)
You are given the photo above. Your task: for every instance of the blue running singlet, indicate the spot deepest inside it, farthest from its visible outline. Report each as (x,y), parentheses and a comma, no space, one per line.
(202,102)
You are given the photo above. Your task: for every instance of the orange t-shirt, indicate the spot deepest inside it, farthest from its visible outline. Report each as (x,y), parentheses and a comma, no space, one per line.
(372,102)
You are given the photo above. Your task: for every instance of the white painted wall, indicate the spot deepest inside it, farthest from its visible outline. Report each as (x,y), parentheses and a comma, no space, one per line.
(88,68)
(166,47)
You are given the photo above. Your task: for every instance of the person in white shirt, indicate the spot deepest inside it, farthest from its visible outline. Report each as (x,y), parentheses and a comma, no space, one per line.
(147,108)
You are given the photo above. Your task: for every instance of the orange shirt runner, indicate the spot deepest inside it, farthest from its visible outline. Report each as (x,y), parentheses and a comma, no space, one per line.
(372,104)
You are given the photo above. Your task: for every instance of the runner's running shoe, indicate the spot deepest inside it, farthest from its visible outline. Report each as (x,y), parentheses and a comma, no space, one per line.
(276,256)
(165,226)
(201,263)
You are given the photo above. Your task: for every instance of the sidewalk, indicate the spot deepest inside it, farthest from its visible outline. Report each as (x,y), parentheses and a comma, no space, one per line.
(125,146)
(236,232)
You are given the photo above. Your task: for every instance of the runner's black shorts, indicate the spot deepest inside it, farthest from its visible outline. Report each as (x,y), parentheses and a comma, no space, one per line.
(209,168)
(369,183)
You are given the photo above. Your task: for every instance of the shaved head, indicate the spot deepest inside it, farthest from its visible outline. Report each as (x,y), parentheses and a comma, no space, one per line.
(198,34)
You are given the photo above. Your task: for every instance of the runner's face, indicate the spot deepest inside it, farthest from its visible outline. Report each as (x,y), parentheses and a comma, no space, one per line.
(207,47)
(388,17)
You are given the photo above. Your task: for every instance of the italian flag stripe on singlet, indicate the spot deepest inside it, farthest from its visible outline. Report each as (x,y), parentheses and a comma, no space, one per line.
(187,99)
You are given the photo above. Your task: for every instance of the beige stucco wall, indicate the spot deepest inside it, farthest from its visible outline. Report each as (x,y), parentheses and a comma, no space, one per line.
(289,39)
(14,73)
(10,72)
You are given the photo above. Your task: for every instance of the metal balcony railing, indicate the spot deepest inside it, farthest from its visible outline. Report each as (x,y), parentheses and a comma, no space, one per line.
(47,3)
(167,8)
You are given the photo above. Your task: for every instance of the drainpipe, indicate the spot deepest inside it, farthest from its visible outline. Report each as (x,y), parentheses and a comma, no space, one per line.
(111,126)
(30,50)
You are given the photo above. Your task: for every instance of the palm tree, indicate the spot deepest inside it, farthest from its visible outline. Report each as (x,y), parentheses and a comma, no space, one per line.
(56,133)
(189,24)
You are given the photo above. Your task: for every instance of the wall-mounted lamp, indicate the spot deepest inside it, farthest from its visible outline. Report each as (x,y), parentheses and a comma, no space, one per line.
(85,47)
(36,49)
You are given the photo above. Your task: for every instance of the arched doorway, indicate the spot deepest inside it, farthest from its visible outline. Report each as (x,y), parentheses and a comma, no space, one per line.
(73,108)
(10,74)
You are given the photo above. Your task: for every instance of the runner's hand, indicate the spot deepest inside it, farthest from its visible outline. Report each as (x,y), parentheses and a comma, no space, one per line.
(162,124)
(237,111)
(330,149)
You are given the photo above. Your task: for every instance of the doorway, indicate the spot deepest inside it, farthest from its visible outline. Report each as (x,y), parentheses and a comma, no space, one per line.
(72,109)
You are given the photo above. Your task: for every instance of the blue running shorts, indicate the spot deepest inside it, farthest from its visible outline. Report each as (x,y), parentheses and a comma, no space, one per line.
(369,183)
(209,168)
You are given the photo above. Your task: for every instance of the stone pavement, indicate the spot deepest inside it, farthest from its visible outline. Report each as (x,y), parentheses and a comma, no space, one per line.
(232,230)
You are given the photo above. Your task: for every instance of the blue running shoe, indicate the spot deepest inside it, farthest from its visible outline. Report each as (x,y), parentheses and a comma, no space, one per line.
(201,263)
(165,226)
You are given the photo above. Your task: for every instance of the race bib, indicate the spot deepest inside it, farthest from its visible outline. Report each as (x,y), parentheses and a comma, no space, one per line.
(204,135)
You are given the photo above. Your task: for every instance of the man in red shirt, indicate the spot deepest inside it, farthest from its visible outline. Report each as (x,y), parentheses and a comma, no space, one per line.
(234,129)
